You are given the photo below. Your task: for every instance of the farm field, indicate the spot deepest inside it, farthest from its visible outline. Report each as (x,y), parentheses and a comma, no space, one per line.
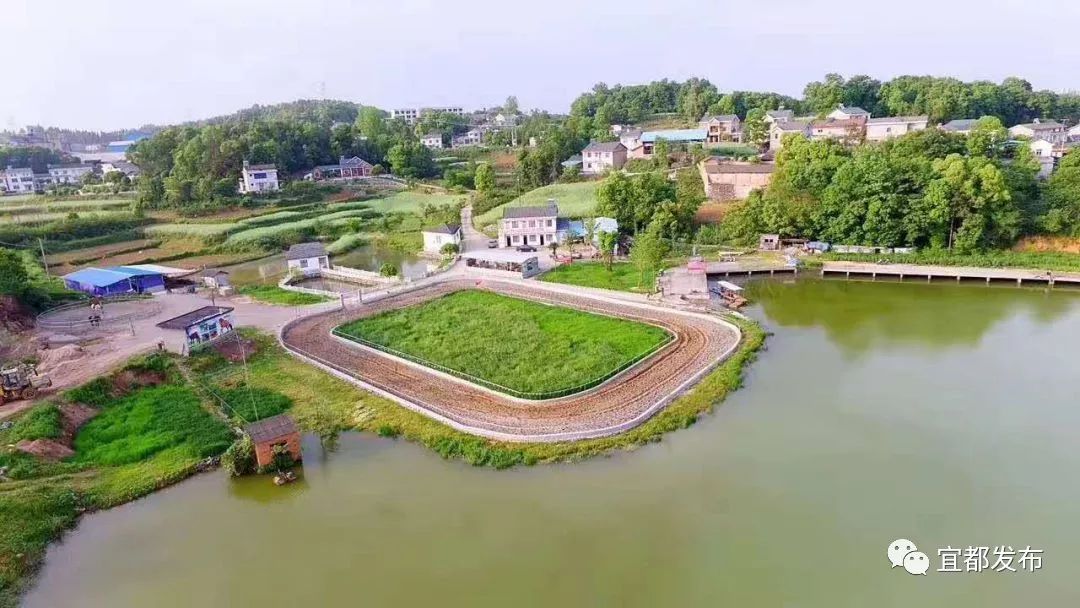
(575,200)
(411,202)
(622,276)
(100,251)
(155,251)
(517,344)
(41,218)
(29,206)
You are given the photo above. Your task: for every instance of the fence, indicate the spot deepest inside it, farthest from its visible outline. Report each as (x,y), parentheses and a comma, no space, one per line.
(537,396)
(47,318)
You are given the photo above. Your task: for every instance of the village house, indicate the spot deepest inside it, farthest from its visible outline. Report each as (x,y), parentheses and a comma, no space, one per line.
(255,179)
(781,115)
(437,237)
(129,170)
(1073,133)
(960,126)
(202,324)
(600,157)
(629,137)
(17,180)
(472,137)
(1045,153)
(1050,130)
(432,140)
(726,181)
(880,129)
(778,130)
(307,258)
(843,112)
(721,128)
(274,433)
(848,130)
(69,173)
(567,229)
(347,168)
(217,280)
(533,226)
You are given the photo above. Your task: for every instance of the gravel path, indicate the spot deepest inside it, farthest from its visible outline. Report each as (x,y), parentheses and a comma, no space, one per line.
(627,400)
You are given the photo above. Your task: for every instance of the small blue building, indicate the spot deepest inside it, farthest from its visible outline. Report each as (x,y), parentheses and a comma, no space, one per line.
(115,280)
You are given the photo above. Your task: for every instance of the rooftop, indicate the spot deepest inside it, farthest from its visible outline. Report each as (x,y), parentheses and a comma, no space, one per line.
(603,146)
(889,120)
(549,210)
(269,429)
(852,110)
(194,317)
(720,118)
(675,135)
(302,251)
(780,113)
(269,167)
(1039,125)
(791,125)
(960,124)
(443,229)
(97,277)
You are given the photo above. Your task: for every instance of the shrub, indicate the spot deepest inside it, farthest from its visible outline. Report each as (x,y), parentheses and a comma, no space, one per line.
(388,270)
(249,404)
(239,459)
(387,430)
(41,422)
(281,459)
(95,393)
(449,249)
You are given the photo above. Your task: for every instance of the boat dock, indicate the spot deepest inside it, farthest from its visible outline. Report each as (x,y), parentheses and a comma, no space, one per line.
(728,269)
(957,273)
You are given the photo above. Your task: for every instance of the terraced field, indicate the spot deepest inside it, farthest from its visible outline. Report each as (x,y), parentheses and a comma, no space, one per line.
(575,200)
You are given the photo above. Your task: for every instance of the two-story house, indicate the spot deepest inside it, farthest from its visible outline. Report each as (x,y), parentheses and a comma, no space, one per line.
(17,180)
(880,129)
(1050,130)
(68,174)
(779,129)
(847,130)
(472,137)
(843,112)
(781,115)
(598,157)
(535,226)
(721,128)
(432,140)
(258,178)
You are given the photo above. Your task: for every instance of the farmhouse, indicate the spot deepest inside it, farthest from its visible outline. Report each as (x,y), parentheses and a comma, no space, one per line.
(528,225)
(202,324)
(255,179)
(432,140)
(130,170)
(274,432)
(880,129)
(961,126)
(114,280)
(721,128)
(347,168)
(1044,152)
(15,180)
(599,157)
(781,115)
(567,229)
(440,236)
(1051,131)
(472,137)
(216,279)
(779,129)
(68,174)
(847,130)
(725,181)
(843,112)
(307,258)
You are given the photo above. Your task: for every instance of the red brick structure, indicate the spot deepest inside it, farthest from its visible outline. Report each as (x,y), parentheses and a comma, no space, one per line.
(271,432)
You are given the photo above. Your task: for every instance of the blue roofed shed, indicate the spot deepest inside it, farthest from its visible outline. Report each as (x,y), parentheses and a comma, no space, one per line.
(114,281)
(675,136)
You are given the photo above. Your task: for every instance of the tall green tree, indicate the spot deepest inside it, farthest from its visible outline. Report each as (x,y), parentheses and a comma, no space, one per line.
(755,129)
(648,252)
(485,178)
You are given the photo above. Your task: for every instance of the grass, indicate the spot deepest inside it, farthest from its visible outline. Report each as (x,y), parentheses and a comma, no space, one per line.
(149,422)
(272,294)
(575,200)
(411,202)
(41,422)
(249,236)
(346,243)
(248,404)
(41,218)
(202,231)
(64,206)
(1036,260)
(731,149)
(519,345)
(622,276)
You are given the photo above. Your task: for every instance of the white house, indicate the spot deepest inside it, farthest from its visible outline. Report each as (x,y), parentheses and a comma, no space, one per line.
(1050,130)
(780,115)
(598,157)
(472,137)
(308,258)
(17,180)
(432,141)
(779,129)
(1043,151)
(440,236)
(121,166)
(68,174)
(880,129)
(843,112)
(258,178)
(532,226)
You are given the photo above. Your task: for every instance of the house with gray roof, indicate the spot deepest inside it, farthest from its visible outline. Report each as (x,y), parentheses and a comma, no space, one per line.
(779,130)
(1049,130)
(602,156)
(780,115)
(307,258)
(533,226)
(880,129)
(843,112)
(962,126)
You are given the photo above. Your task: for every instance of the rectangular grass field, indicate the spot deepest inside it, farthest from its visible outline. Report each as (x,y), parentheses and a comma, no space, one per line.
(517,344)
(621,277)
(575,200)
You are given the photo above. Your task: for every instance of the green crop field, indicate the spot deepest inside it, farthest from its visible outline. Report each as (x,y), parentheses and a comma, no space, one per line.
(621,277)
(203,231)
(523,346)
(28,206)
(575,200)
(411,202)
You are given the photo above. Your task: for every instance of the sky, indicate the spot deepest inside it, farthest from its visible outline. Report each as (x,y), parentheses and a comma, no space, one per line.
(115,64)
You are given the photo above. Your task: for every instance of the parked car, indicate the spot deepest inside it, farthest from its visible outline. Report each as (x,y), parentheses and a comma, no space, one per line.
(493,243)
(526,249)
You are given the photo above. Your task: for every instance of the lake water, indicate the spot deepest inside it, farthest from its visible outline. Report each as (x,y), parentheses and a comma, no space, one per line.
(942,414)
(366,257)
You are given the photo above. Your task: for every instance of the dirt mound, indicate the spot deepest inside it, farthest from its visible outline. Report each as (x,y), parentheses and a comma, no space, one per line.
(75,415)
(131,379)
(46,449)
(236,351)
(14,316)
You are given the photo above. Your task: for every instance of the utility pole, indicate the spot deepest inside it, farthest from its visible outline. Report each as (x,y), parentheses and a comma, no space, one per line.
(44,262)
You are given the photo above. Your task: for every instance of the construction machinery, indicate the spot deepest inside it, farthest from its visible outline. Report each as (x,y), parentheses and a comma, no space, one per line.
(21,381)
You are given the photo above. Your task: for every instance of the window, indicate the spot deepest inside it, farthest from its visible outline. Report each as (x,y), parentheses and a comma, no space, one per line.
(549,223)
(532,238)
(517,239)
(303,263)
(532,223)
(513,224)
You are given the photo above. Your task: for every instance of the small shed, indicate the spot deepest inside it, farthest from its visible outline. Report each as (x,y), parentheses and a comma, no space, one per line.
(437,237)
(524,263)
(272,432)
(216,278)
(308,258)
(769,242)
(202,324)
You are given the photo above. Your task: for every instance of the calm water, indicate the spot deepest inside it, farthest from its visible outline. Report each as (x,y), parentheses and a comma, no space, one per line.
(367,257)
(947,415)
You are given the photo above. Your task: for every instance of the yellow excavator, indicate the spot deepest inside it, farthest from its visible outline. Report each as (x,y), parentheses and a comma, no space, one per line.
(21,381)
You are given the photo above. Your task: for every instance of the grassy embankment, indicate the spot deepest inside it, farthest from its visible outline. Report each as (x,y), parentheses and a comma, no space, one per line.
(151,431)
(523,346)
(272,294)
(575,200)
(1035,260)
(622,276)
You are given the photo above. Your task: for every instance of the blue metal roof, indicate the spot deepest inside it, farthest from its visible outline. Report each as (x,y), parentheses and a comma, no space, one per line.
(676,135)
(132,272)
(96,277)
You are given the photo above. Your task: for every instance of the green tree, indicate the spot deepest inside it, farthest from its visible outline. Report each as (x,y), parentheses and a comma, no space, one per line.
(14,278)
(968,207)
(511,105)
(607,243)
(755,129)
(485,178)
(987,137)
(661,154)
(648,252)
(1062,215)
